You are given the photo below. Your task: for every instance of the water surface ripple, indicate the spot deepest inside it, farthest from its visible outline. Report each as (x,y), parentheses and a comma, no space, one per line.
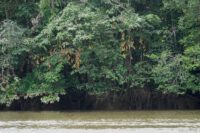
(101,121)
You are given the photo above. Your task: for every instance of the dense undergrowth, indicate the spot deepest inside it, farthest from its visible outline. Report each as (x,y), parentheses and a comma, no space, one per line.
(49,47)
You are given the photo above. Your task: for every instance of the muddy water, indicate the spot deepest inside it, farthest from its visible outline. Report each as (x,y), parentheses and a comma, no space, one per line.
(101,122)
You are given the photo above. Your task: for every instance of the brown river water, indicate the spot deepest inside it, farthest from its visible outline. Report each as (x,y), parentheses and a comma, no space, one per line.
(101,122)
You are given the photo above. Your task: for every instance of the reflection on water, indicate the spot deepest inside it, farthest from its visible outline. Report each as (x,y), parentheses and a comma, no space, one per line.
(99,122)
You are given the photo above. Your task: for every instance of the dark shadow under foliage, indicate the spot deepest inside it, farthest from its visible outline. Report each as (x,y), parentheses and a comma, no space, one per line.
(135,100)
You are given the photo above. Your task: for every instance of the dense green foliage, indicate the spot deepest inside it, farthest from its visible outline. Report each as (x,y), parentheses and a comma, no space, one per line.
(97,46)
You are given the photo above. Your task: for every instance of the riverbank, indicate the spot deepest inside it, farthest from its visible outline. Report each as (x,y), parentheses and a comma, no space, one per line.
(132,99)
